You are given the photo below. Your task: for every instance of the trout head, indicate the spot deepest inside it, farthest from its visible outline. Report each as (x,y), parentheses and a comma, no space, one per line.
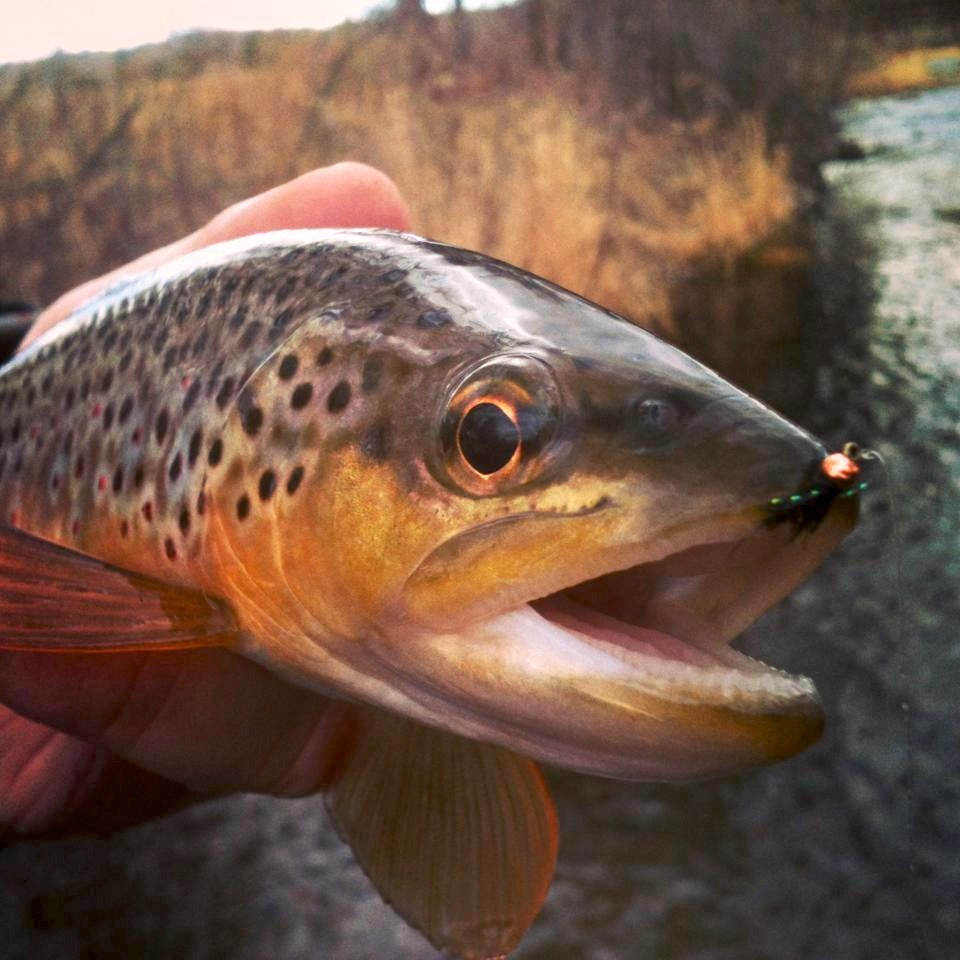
(544,532)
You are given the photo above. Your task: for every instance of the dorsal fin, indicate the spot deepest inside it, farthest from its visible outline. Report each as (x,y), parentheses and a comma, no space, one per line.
(459,837)
(54,598)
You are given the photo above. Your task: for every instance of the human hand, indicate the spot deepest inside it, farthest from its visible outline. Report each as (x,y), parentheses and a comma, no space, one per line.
(96,742)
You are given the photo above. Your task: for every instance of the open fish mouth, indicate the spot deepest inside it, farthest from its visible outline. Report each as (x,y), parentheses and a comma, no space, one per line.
(629,671)
(673,620)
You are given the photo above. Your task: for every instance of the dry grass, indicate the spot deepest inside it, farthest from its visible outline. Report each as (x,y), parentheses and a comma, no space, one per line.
(621,198)
(920,69)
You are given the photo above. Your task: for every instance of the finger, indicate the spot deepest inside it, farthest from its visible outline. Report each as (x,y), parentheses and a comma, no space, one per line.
(344,195)
(206,718)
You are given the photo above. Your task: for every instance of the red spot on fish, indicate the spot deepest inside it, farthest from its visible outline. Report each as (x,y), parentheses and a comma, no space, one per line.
(185,382)
(124,528)
(15,517)
(147,511)
(101,482)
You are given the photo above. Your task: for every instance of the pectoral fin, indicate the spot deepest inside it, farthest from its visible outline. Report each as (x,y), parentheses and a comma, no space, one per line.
(53,598)
(459,837)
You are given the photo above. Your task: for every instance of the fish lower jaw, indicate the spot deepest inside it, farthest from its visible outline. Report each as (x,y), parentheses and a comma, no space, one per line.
(677,669)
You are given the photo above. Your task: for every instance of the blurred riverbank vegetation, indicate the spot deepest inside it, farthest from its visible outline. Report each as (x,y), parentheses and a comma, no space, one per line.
(661,158)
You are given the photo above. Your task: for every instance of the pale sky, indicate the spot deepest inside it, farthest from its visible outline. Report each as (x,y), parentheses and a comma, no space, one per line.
(33,29)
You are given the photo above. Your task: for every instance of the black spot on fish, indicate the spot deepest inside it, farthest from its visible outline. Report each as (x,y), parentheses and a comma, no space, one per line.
(138,477)
(118,480)
(378,313)
(176,468)
(301,395)
(193,450)
(333,275)
(288,367)
(160,428)
(393,276)
(249,335)
(239,318)
(339,397)
(169,359)
(160,340)
(267,485)
(285,289)
(253,421)
(193,392)
(201,502)
(184,521)
(216,452)
(243,507)
(434,318)
(376,442)
(108,417)
(280,322)
(294,480)
(372,371)
(170,548)
(200,344)
(324,357)
(214,379)
(225,392)
(125,409)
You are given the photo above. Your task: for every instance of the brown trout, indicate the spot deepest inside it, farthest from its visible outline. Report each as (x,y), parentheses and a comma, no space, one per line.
(506,524)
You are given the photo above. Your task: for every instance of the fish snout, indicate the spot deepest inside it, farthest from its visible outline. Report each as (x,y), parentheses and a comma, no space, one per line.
(755,450)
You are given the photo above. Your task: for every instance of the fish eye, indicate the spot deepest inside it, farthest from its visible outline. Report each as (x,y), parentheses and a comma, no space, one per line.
(498,425)
(489,436)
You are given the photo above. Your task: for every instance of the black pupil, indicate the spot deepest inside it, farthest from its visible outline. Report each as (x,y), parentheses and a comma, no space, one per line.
(488,438)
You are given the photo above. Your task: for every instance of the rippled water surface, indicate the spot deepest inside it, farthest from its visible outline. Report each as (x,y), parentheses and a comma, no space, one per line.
(849,851)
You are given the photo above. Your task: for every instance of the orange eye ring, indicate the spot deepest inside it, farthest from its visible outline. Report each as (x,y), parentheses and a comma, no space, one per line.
(498,426)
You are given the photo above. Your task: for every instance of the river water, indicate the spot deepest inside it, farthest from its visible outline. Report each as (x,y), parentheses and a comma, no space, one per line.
(846,852)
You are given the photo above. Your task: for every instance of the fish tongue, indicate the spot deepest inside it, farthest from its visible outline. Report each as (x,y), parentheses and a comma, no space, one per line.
(666,633)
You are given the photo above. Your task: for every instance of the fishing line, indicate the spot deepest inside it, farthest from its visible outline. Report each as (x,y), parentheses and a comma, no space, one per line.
(893,492)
